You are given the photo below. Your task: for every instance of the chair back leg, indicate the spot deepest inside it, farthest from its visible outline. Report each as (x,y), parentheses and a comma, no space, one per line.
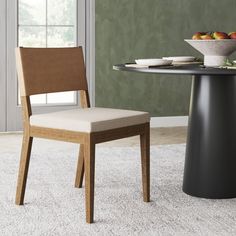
(145,161)
(80,168)
(89,162)
(23,169)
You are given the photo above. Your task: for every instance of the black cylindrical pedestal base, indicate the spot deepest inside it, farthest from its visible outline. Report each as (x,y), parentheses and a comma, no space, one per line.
(210,164)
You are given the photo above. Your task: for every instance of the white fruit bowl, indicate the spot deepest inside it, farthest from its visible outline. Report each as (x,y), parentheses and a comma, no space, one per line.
(215,51)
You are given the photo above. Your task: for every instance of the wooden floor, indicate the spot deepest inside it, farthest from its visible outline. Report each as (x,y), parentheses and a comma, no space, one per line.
(159,136)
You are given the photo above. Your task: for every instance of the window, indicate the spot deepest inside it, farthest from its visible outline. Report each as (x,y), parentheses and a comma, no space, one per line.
(48,23)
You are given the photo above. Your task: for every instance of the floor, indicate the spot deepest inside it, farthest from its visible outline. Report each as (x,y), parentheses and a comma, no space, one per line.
(54,207)
(158,136)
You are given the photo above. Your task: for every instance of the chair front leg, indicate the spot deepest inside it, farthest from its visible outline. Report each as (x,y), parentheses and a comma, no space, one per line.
(80,168)
(89,161)
(145,161)
(23,169)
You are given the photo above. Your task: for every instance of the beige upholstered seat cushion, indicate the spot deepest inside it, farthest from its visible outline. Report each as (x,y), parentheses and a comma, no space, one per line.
(90,119)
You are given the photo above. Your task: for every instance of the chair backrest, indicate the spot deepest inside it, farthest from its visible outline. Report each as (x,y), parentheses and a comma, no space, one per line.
(47,70)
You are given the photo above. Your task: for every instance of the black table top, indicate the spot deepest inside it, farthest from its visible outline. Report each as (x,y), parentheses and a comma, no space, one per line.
(179,69)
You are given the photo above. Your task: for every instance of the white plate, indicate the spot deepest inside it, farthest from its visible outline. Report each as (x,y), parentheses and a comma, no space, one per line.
(180,59)
(153,62)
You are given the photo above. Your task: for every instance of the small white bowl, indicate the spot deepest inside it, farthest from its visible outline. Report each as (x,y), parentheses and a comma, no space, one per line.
(153,62)
(215,51)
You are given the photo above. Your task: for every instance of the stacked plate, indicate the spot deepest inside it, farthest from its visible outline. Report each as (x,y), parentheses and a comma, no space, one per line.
(165,61)
(153,62)
(183,60)
(180,59)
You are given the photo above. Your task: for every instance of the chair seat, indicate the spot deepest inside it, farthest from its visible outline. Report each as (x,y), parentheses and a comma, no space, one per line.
(90,119)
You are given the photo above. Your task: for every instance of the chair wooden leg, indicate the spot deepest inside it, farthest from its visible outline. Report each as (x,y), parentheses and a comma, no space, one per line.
(145,160)
(80,168)
(23,169)
(89,161)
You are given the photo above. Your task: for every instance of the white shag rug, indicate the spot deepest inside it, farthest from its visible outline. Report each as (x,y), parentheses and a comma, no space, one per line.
(54,207)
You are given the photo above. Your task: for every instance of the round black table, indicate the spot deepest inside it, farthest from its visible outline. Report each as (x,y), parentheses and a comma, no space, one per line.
(210,161)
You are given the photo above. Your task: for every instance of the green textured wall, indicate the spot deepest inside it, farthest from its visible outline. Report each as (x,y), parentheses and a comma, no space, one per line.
(129,29)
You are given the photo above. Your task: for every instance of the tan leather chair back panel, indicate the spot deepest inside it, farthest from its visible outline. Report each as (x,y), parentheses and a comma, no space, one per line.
(46,70)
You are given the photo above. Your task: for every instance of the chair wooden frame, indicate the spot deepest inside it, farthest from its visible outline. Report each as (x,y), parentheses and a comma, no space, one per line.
(87,141)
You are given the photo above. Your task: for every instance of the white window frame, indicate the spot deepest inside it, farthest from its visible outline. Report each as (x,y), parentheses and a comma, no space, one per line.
(46,26)
(3,61)
(11,117)
(90,47)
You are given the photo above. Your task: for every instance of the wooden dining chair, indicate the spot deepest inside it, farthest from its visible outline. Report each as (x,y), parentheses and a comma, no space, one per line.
(47,70)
